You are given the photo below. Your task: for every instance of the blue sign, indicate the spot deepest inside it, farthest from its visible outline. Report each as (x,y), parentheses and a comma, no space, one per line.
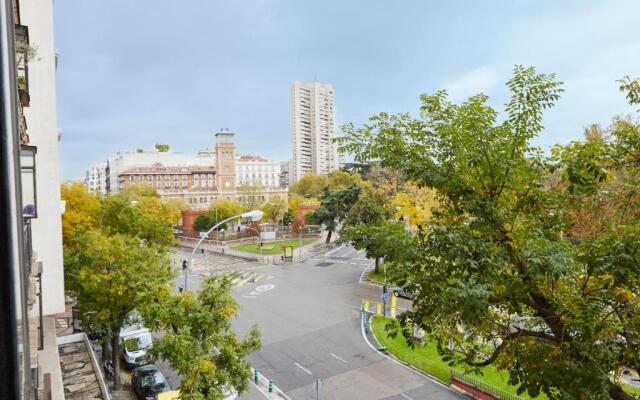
(384,296)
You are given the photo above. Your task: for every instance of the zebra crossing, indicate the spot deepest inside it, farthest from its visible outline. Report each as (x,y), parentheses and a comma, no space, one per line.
(212,264)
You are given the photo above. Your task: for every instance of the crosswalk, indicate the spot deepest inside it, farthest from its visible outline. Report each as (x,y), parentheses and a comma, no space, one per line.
(248,277)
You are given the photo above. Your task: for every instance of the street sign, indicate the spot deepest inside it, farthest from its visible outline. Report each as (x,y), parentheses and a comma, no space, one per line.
(384,296)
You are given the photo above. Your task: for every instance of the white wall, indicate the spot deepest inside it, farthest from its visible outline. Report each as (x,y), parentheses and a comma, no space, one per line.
(43,133)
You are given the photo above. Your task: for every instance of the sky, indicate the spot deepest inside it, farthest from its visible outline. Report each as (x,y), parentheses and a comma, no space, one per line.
(135,73)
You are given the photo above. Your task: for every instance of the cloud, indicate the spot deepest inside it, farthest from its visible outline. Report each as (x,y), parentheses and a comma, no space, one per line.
(477,80)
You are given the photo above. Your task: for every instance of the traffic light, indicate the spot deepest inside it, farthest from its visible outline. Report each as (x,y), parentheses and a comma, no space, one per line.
(184,264)
(384,289)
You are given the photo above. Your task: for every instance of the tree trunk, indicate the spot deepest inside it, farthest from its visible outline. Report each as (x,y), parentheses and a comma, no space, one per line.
(377,268)
(115,359)
(105,350)
(329,232)
(616,392)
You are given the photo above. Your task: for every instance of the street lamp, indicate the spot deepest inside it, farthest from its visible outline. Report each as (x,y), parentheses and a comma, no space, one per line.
(254,215)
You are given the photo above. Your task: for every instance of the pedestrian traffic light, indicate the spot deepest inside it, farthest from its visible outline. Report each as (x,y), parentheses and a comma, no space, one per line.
(384,289)
(184,264)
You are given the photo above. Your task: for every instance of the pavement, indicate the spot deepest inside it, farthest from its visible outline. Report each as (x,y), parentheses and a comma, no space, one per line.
(308,315)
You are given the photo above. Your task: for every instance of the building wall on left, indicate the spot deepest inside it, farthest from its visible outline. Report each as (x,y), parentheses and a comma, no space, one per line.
(43,133)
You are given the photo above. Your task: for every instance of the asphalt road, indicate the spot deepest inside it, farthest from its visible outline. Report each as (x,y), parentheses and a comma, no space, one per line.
(308,315)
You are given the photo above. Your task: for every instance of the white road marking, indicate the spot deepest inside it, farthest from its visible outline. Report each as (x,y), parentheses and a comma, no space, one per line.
(303,368)
(364,272)
(405,396)
(338,357)
(334,250)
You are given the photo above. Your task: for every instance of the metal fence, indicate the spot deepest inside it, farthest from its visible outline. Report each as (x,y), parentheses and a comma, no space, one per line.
(482,386)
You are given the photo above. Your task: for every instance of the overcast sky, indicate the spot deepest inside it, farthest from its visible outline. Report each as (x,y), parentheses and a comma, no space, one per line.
(133,73)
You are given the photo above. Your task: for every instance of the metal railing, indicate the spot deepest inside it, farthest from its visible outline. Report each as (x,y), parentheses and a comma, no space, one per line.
(482,386)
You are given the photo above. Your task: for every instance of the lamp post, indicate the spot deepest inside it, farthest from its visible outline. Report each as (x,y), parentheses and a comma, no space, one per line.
(254,215)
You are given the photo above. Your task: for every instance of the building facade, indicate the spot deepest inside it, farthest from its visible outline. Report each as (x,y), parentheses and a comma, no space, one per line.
(96,179)
(312,130)
(284,173)
(210,175)
(256,170)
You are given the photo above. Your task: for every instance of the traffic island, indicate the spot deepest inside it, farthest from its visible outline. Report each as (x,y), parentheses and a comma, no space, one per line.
(492,384)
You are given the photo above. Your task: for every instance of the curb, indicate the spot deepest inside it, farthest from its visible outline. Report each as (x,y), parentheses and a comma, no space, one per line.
(391,357)
(263,386)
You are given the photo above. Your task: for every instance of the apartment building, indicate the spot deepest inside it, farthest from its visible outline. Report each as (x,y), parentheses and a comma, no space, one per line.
(312,130)
(96,178)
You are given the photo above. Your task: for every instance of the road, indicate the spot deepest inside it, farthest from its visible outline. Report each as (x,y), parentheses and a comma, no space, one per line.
(309,319)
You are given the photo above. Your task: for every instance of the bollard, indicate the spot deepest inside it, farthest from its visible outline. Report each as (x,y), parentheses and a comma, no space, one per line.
(255,375)
(270,387)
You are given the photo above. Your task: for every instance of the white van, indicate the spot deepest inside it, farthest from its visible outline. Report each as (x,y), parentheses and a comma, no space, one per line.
(135,343)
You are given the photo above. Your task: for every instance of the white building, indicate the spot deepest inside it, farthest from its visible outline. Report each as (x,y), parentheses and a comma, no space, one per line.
(312,130)
(257,170)
(96,179)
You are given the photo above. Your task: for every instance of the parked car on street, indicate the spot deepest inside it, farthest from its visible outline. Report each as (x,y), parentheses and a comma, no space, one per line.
(148,382)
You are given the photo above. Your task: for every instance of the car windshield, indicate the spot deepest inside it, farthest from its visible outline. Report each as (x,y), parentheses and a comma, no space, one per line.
(152,379)
(139,343)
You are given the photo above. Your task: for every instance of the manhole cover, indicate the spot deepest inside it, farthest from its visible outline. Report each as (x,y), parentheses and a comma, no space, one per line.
(324,264)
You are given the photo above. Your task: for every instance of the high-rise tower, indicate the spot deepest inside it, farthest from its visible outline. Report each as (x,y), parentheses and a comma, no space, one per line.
(312,130)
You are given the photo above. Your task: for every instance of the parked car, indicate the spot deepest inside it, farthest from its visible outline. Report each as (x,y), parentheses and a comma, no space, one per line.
(135,345)
(148,382)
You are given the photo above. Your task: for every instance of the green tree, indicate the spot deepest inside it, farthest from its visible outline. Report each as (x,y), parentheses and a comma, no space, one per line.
(203,223)
(274,209)
(111,276)
(148,218)
(369,210)
(496,280)
(199,343)
(334,207)
(310,185)
(338,180)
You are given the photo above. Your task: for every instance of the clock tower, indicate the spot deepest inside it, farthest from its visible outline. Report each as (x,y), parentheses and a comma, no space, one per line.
(225,162)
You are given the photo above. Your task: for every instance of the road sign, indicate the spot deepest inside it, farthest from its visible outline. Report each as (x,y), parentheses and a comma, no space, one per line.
(384,296)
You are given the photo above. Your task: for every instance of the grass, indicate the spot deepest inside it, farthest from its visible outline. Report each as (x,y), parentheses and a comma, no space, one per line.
(426,358)
(377,278)
(271,248)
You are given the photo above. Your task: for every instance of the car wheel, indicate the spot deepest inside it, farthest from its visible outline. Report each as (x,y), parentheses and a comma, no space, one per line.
(396,293)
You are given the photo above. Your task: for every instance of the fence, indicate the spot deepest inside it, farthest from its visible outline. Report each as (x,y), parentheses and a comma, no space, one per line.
(492,391)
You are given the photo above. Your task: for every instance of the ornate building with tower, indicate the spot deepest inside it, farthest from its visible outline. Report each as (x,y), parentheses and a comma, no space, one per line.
(200,180)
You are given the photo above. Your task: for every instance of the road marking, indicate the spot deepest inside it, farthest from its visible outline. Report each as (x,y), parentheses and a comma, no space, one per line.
(303,368)
(334,250)
(365,271)
(269,277)
(248,297)
(338,357)
(258,278)
(265,288)
(405,396)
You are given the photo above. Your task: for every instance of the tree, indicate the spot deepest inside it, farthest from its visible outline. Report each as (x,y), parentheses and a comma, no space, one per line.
(414,205)
(203,223)
(334,207)
(338,180)
(369,210)
(199,343)
(111,276)
(310,185)
(137,191)
(222,209)
(81,209)
(274,209)
(149,218)
(495,278)
(386,180)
